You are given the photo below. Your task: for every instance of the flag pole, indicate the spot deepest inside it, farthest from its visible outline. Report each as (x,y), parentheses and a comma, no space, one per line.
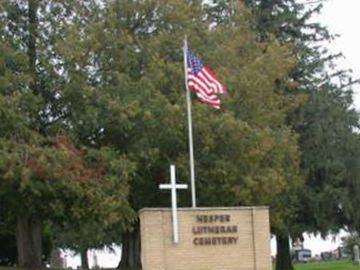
(191,147)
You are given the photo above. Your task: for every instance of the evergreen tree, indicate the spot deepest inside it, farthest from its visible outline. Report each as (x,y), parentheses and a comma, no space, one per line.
(325,122)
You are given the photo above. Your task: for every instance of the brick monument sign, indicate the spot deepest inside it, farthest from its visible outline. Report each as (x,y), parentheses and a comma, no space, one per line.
(235,238)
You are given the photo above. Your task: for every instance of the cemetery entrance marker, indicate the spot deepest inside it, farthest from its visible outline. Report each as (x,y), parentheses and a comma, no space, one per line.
(220,238)
(217,238)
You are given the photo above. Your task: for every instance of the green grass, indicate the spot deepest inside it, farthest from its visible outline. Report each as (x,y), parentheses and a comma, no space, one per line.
(334,265)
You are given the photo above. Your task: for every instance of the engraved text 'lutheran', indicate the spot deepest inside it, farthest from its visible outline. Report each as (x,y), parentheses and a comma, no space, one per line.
(214,224)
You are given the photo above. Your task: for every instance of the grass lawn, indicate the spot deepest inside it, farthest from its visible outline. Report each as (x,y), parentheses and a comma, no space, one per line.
(335,265)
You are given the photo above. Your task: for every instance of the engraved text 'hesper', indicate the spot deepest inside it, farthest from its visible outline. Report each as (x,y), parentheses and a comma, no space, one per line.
(214,224)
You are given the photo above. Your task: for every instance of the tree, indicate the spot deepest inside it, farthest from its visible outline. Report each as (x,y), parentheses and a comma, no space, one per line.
(46,174)
(134,51)
(73,192)
(350,200)
(349,242)
(325,122)
(109,76)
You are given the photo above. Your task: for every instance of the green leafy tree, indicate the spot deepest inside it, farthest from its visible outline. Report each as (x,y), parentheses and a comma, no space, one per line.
(47,175)
(134,57)
(325,122)
(111,75)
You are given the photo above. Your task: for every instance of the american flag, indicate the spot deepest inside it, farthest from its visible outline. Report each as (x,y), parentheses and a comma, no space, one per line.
(203,81)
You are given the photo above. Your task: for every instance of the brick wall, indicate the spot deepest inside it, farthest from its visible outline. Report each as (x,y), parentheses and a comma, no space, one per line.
(235,238)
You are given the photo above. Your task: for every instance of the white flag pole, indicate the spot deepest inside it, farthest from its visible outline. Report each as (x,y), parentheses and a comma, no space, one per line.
(191,147)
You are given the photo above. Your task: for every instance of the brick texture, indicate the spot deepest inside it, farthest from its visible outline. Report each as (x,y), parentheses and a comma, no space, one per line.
(250,252)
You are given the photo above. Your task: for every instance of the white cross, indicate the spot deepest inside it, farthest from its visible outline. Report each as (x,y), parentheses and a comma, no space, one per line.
(173,186)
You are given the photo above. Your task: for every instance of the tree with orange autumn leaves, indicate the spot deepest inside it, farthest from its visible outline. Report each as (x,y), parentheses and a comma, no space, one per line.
(53,181)
(49,178)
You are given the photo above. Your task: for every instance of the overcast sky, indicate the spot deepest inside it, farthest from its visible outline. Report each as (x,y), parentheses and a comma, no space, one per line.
(343,17)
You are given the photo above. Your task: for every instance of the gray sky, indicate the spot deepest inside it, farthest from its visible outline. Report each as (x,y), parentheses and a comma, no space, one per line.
(343,17)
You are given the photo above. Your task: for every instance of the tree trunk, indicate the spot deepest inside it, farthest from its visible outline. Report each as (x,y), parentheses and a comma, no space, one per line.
(130,250)
(124,261)
(84,259)
(29,242)
(283,257)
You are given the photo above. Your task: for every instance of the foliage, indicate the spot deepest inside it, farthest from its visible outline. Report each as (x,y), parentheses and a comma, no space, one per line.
(326,120)
(129,65)
(240,153)
(92,108)
(349,241)
(46,172)
(330,148)
(117,82)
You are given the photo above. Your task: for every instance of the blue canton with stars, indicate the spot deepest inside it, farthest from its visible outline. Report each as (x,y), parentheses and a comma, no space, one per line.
(194,63)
